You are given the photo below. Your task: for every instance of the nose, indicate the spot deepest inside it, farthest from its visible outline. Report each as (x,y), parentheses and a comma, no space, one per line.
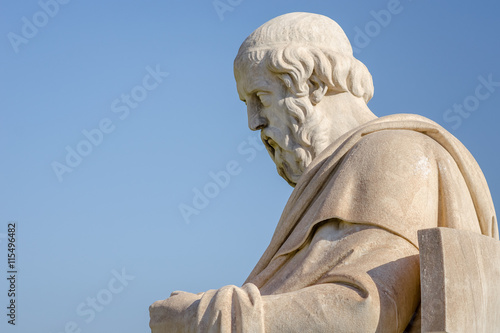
(256,121)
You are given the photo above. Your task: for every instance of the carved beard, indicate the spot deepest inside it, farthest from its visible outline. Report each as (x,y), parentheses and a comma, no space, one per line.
(293,149)
(290,158)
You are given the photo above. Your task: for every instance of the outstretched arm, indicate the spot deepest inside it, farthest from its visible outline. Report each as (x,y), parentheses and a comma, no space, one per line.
(374,289)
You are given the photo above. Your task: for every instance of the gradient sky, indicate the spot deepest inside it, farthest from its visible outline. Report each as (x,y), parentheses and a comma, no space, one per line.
(116,211)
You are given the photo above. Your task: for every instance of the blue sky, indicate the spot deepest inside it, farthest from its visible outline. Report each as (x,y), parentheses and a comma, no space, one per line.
(145,90)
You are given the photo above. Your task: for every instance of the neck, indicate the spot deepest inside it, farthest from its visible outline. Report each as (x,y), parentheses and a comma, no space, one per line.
(342,113)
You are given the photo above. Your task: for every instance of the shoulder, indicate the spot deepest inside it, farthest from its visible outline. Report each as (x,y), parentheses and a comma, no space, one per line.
(397,140)
(397,143)
(402,152)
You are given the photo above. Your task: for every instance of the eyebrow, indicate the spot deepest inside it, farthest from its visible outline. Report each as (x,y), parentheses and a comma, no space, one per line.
(259,83)
(258,89)
(255,91)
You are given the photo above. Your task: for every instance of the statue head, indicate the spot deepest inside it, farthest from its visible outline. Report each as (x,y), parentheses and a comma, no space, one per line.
(302,86)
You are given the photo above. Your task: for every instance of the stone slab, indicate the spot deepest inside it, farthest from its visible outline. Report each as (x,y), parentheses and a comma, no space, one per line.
(460,281)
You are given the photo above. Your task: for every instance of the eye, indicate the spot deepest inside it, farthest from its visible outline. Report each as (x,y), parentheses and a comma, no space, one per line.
(264,97)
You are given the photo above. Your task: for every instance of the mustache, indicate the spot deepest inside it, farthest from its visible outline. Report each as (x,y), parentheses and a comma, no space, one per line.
(279,143)
(273,138)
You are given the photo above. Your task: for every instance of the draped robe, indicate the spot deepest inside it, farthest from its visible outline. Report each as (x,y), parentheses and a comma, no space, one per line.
(344,256)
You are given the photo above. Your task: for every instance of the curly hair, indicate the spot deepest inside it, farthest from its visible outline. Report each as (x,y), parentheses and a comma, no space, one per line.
(301,46)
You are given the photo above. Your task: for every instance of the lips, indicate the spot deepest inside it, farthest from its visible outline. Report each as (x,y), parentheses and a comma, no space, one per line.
(276,153)
(270,145)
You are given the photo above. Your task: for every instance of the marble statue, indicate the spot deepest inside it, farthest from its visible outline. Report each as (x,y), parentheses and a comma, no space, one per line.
(344,256)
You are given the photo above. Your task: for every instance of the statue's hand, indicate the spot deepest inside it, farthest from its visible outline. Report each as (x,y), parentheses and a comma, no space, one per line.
(174,314)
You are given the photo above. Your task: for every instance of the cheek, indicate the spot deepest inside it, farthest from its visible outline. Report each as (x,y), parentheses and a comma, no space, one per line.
(281,105)
(281,114)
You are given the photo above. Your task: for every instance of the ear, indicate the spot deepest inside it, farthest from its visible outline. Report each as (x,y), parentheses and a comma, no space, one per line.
(317,89)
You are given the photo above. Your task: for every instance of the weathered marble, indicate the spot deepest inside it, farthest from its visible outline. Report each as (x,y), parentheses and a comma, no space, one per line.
(460,278)
(344,256)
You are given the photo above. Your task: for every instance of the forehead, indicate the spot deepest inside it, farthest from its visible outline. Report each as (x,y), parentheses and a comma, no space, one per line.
(251,76)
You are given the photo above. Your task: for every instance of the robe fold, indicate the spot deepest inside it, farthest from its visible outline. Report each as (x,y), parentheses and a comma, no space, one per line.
(344,256)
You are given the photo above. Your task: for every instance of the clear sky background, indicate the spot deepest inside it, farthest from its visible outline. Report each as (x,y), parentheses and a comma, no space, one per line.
(116,211)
